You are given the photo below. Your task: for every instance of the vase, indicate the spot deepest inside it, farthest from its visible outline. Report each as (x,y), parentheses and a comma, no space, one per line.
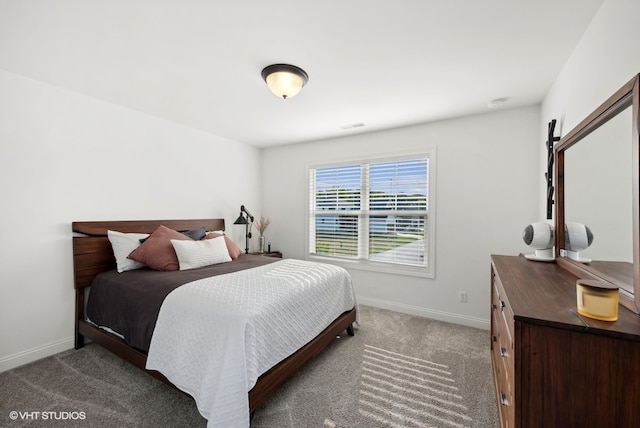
(261,244)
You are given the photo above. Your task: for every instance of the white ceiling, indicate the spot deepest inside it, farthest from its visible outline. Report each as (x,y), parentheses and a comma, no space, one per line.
(381,63)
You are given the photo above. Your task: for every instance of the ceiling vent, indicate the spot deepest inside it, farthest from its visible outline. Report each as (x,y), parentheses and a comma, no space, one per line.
(352,125)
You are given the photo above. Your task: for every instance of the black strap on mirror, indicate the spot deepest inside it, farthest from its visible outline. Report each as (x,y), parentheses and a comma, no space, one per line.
(549,174)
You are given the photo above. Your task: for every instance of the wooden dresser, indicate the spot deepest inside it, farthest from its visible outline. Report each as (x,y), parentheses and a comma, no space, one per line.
(553,367)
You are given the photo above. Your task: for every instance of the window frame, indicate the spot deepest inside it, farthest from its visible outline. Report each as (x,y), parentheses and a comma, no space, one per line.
(427,271)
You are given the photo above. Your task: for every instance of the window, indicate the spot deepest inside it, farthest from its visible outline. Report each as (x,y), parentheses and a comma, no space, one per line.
(375,214)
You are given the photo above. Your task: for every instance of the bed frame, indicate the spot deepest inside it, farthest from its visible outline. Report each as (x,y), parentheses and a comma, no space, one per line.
(92,254)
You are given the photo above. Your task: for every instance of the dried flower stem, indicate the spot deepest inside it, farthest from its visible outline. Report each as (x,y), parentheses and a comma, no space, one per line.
(262,224)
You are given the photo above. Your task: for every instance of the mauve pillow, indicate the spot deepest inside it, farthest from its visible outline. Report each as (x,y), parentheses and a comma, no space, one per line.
(234,250)
(157,252)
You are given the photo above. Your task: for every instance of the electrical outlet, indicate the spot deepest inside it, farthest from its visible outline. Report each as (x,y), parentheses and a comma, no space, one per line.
(462,296)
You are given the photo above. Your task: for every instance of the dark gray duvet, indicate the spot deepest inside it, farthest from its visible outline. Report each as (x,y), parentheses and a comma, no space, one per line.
(129,302)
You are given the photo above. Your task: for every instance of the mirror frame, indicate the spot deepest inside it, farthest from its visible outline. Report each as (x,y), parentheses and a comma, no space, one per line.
(628,95)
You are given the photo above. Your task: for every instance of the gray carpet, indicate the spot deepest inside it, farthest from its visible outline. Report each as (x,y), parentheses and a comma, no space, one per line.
(397,371)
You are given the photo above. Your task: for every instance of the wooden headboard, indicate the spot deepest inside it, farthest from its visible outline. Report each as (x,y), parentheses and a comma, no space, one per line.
(92,253)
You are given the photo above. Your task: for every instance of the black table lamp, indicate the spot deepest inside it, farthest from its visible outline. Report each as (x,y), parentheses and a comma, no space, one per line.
(245,218)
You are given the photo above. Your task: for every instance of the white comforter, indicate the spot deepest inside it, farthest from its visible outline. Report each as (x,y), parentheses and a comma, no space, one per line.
(214,337)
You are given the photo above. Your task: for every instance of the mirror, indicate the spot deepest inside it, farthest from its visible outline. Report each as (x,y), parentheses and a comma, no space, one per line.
(597,185)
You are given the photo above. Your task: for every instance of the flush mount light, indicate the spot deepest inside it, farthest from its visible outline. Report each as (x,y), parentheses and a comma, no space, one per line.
(285,80)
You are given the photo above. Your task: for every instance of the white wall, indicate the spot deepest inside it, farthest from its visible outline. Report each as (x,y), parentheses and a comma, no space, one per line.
(487,184)
(67,157)
(606,58)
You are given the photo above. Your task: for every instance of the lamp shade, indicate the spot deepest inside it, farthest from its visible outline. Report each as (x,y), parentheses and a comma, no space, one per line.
(241,220)
(284,80)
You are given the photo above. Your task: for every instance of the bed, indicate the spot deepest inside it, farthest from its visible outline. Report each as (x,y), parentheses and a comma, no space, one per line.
(93,258)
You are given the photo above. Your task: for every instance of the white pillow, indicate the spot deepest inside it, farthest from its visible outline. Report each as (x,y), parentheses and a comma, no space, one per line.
(195,254)
(123,244)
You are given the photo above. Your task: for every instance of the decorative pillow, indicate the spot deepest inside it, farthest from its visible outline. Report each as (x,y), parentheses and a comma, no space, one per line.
(196,234)
(123,244)
(157,251)
(234,250)
(195,254)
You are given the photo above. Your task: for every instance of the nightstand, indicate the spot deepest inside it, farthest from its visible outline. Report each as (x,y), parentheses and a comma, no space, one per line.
(277,254)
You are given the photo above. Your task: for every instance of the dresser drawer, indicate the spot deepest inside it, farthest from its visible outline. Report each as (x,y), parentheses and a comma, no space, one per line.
(503,315)
(502,353)
(504,392)
(503,304)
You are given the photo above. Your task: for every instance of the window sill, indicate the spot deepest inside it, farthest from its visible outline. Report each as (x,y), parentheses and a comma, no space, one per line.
(390,268)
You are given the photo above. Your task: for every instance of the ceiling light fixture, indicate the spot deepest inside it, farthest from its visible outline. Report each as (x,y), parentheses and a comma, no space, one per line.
(285,80)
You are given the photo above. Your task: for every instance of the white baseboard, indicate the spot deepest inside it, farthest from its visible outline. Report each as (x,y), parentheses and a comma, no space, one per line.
(28,356)
(427,313)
